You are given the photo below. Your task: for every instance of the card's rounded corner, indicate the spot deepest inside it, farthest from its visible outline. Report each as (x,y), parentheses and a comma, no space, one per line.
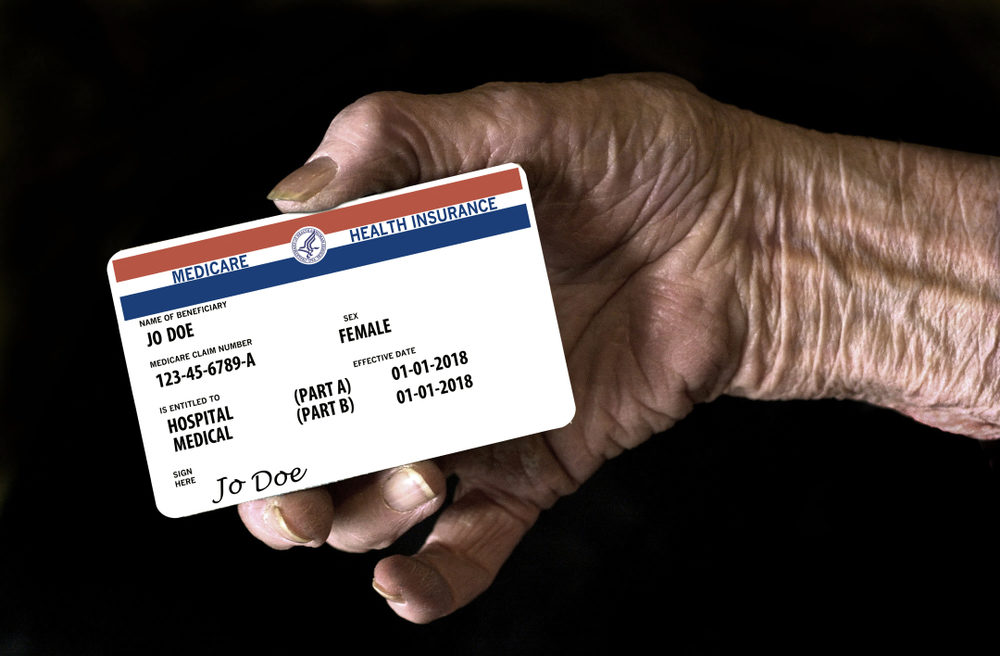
(169,513)
(517,165)
(570,413)
(110,268)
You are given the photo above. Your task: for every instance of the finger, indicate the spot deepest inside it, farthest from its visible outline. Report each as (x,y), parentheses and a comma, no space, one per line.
(459,560)
(373,511)
(297,518)
(390,140)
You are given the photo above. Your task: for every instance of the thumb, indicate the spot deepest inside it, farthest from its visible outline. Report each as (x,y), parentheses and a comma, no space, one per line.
(389,140)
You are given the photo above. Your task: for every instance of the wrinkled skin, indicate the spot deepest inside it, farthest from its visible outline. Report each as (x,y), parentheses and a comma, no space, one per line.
(657,209)
(642,247)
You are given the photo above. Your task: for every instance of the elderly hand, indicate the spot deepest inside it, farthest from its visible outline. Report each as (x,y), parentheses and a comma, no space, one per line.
(694,249)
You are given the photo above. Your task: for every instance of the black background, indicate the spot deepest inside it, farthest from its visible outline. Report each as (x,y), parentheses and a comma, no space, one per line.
(789,526)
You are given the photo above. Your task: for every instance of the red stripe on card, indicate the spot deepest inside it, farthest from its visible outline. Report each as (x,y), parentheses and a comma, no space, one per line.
(335,220)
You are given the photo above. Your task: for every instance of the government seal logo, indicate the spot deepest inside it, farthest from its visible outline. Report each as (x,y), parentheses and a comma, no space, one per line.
(309,245)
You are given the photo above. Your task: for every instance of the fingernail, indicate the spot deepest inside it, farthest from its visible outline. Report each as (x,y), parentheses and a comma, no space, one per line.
(406,490)
(275,519)
(394,598)
(306,181)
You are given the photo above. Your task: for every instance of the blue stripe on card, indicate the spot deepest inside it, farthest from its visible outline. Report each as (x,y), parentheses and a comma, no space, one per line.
(342,258)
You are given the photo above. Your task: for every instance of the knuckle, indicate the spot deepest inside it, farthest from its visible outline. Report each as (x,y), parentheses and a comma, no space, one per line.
(529,472)
(373,110)
(381,126)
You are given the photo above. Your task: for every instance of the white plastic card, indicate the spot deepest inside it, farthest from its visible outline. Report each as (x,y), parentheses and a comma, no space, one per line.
(304,349)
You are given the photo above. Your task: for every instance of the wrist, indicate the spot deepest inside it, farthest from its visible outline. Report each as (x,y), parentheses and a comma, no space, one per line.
(877,278)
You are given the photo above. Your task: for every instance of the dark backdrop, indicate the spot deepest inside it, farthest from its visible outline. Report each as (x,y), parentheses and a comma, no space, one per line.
(782,526)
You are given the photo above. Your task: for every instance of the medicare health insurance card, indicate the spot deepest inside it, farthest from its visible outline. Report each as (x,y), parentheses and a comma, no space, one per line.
(294,351)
